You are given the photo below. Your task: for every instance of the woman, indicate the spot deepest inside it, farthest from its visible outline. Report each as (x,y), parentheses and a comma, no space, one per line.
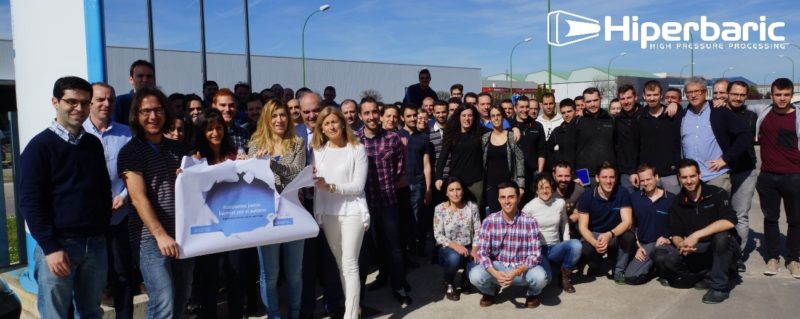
(502,159)
(213,144)
(456,224)
(551,216)
(275,138)
(193,107)
(340,205)
(461,146)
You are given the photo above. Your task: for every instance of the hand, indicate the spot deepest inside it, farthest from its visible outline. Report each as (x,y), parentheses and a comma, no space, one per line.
(517,134)
(321,183)
(521,192)
(461,250)
(262,153)
(634,179)
(438,184)
(58,262)
(428,197)
(474,254)
(197,155)
(505,278)
(641,254)
(242,157)
(717,103)
(672,109)
(661,241)
(117,202)
(602,242)
(178,171)
(716,165)
(689,245)
(167,246)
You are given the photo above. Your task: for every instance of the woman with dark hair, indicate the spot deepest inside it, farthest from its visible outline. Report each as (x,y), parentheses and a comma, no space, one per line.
(211,141)
(551,215)
(193,106)
(502,159)
(456,224)
(461,146)
(275,139)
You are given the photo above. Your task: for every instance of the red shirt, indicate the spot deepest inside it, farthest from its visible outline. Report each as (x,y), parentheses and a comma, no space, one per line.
(778,137)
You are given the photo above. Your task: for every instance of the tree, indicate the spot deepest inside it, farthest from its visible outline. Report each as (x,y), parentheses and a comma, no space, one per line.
(443,95)
(373,94)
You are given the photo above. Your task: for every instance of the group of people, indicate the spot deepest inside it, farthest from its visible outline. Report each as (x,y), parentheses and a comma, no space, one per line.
(508,195)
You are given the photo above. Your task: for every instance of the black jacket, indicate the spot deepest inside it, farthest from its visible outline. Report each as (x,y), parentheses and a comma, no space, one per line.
(659,141)
(625,146)
(561,145)
(746,161)
(532,144)
(731,132)
(687,216)
(594,140)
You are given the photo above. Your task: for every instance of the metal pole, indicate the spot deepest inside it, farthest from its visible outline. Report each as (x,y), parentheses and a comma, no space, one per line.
(303,46)
(691,38)
(203,68)
(549,58)
(608,71)
(150,45)
(247,44)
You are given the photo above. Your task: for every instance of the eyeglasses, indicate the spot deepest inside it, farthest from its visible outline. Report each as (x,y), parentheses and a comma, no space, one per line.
(76,102)
(736,95)
(156,111)
(199,108)
(693,92)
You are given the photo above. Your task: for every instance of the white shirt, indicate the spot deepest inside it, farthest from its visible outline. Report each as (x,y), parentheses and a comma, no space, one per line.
(346,168)
(551,217)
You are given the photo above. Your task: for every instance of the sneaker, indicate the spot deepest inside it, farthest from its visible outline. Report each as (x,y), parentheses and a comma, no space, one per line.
(794,269)
(740,266)
(619,277)
(714,296)
(772,267)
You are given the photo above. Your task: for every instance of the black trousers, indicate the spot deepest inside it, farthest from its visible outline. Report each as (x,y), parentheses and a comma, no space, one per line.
(619,250)
(714,260)
(123,276)
(237,280)
(772,188)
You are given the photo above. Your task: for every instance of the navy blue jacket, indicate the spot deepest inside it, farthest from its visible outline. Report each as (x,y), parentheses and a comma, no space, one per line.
(732,134)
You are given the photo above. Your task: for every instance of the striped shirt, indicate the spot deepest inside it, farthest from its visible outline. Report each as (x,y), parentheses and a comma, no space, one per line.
(158,164)
(385,155)
(511,243)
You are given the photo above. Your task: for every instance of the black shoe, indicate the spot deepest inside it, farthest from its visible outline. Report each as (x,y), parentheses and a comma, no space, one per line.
(714,296)
(740,266)
(466,286)
(664,282)
(451,293)
(702,285)
(412,264)
(379,283)
(406,287)
(402,297)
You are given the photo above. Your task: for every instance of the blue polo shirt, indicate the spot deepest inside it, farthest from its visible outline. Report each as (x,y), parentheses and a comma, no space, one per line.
(418,145)
(651,217)
(604,214)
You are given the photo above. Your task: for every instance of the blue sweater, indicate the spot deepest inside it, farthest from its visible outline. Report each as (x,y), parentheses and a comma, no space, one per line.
(64,189)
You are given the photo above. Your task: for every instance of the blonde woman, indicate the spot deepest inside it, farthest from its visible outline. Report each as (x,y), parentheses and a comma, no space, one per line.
(340,205)
(275,138)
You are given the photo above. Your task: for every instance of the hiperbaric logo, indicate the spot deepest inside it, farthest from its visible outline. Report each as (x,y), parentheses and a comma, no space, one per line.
(565,28)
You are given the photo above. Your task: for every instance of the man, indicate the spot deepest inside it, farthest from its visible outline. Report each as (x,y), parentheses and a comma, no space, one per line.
(471,98)
(720,93)
(350,111)
(141,74)
(778,128)
(714,137)
(484,104)
(509,251)
(253,105)
(417,92)
(427,104)
(288,94)
(658,139)
(533,110)
(567,189)
(294,111)
(508,108)
(561,144)
(604,221)
(625,147)
(148,164)
(614,108)
(743,169)
(672,95)
(452,105)
(113,136)
(550,119)
(650,213)
(330,96)
(277,90)
(225,102)
(418,171)
(302,91)
(386,163)
(209,88)
(579,105)
(532,141)
(242,91)
(436,135)
(65,197)
(456,91)
(700,221)
(594,134)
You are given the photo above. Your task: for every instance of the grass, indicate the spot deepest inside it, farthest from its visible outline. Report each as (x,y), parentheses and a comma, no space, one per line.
(13,241)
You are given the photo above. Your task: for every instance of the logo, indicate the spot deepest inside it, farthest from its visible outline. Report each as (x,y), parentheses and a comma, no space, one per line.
(565,28)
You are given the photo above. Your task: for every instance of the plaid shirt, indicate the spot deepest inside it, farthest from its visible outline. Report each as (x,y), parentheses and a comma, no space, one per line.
(513,244)
(239,136)
(385,157)
(65,135)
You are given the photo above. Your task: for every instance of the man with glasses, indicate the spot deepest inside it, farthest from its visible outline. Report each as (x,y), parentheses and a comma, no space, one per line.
(65,197)
(714,137)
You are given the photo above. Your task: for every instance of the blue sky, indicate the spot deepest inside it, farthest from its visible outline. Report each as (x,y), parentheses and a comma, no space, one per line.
(471,33)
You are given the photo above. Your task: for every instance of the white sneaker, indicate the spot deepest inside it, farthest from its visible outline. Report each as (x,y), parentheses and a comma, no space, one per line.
(772,267)
(794,269)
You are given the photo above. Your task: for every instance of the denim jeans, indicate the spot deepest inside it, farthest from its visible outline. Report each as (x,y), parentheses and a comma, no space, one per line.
(535,279)
(88,263)
(416,192)
(269,257)
(451,262)
(168,280)
(772,188)
(743,186)
(566,253)
(639,272)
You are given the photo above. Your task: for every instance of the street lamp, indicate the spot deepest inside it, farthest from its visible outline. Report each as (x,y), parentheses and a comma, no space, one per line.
(322,8)
(790,59)
(765,81)
(684,68)
(511,67)
(726,71)
(608,70)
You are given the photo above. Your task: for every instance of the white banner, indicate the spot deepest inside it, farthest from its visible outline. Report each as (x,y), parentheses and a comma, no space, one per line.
(234,205)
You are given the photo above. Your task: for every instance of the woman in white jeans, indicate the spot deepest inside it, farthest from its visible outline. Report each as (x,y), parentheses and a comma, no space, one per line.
(340,206)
